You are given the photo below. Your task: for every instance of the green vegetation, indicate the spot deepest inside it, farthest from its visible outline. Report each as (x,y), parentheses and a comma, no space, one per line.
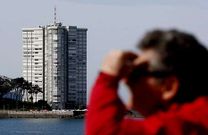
(21,88)
(5,86)
(9,104)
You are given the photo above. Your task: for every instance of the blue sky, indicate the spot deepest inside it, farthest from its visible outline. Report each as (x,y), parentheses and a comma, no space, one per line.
(112,24)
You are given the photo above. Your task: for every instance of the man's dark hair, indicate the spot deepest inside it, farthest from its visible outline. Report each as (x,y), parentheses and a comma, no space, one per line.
(181,55)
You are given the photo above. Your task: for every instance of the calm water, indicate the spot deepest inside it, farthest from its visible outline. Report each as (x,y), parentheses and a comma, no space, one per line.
(41,127)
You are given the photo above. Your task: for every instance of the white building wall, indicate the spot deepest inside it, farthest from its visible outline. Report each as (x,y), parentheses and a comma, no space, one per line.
(33,59)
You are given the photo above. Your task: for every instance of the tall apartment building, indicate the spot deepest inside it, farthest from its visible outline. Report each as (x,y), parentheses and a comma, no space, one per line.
(33,41)
(54,57)
(77,69)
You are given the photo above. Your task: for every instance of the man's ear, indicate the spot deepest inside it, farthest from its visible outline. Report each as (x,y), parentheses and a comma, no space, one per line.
(170,88)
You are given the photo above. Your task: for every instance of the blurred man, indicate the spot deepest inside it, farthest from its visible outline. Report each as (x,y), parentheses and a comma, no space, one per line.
(168,81)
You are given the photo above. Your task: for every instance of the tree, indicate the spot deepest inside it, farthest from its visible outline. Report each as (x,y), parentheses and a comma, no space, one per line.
(30,90)
(21,88)
(27,88)
(36,90)
(5,86)
(18,87)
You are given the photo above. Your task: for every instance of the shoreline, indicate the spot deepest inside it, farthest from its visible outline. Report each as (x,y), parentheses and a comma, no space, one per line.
(40,114)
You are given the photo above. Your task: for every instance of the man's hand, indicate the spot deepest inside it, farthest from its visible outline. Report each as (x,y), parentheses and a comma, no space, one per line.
(118,63)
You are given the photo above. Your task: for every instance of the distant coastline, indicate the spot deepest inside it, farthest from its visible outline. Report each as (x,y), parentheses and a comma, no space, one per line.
(42,114)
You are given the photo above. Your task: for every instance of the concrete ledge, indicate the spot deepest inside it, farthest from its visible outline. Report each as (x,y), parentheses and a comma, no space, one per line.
(36,114)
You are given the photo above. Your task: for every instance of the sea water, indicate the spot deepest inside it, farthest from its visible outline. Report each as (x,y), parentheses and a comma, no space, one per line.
(41,126)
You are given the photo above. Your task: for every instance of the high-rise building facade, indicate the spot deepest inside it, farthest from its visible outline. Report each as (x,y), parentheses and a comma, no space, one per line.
(77,67)
(54,57)
(33,40)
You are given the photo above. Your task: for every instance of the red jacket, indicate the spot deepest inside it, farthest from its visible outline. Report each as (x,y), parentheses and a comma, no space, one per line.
(106,115)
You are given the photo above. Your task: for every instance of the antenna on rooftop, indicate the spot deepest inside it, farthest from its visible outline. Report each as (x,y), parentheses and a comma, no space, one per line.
(55,15)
